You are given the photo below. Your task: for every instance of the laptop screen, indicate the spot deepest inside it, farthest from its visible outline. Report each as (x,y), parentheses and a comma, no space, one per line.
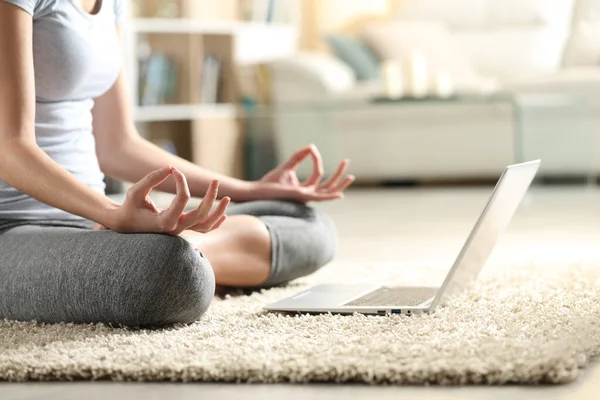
(494,219)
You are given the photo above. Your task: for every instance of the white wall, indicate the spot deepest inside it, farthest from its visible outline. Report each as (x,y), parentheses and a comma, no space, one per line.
(335,14)
(322,16)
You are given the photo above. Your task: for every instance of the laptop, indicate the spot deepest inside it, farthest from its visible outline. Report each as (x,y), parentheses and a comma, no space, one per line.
(378,299)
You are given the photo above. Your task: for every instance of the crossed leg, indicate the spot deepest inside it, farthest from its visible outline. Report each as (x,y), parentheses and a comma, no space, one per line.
(64,272)
(266,243)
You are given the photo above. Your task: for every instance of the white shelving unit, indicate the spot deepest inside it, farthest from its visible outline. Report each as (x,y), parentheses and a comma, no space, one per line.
(254,43)
(189,25)
(184,112)
(202,130)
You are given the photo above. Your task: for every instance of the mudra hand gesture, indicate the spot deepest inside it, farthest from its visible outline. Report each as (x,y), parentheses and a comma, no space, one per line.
(283,183)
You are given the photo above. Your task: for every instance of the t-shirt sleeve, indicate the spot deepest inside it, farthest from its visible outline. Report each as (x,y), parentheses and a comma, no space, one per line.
(119,11)
(27,5)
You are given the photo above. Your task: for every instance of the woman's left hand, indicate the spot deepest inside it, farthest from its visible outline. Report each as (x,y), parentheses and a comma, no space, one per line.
(282,183)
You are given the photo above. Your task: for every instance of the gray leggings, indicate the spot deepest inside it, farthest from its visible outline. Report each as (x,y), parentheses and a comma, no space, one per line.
(62,271)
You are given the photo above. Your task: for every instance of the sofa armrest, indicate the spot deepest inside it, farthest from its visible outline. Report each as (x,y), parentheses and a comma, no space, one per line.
(309,77)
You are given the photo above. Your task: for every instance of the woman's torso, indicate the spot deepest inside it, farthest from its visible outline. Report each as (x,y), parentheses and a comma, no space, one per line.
(76,58)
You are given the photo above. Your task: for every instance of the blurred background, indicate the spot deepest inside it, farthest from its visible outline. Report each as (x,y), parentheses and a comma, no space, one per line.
(430,99)
(410,90)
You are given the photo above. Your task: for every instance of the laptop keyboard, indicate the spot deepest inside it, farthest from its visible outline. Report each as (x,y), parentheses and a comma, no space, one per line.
(398,296)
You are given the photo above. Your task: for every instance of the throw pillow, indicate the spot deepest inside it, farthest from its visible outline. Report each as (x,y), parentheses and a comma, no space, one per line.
(357,55)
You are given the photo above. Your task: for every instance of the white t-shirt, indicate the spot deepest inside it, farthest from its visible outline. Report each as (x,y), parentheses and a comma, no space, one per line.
(76,59)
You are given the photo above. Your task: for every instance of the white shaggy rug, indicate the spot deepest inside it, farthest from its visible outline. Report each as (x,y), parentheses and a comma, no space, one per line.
(521,324)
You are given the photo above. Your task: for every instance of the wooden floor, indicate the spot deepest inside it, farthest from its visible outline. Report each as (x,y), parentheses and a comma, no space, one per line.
(412,224)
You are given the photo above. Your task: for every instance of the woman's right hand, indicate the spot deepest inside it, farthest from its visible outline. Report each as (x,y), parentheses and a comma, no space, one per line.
(139,214)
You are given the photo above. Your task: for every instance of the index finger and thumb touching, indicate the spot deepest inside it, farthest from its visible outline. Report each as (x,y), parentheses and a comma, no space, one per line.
(150,181)
(299,156)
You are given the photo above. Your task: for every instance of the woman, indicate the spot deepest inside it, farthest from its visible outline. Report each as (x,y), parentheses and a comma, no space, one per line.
(71,254)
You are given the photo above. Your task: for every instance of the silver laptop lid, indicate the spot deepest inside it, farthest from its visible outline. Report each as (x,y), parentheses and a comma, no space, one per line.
(494,219)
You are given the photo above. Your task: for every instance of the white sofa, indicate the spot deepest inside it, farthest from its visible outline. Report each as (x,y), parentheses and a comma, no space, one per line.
(528,46)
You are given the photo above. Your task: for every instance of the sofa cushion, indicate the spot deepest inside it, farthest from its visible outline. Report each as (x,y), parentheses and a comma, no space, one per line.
(310,77)
(357,55)
(400,41)
(504,39)
(513,53)
(583,47)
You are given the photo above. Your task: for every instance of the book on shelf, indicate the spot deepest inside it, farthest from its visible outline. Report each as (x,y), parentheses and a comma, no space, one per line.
(167,9)
(210,79)
(268,11)
(157,78)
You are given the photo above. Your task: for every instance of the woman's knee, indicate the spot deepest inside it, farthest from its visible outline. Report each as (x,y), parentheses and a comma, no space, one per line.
(176,284)
(320,234)
(303,250)
(320,239)
(326,239)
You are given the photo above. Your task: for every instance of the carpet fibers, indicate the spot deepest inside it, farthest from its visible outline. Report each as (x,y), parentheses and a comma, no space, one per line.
(520,324)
